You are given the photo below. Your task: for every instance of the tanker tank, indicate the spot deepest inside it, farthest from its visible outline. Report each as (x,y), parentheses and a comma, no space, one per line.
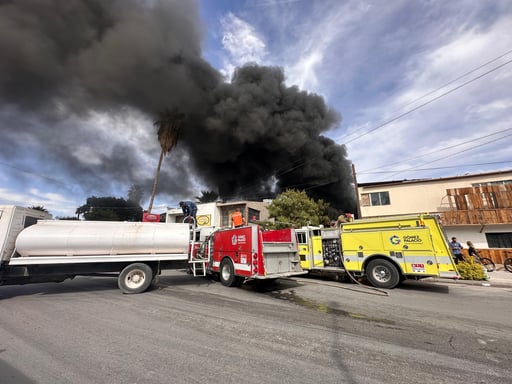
(89,238)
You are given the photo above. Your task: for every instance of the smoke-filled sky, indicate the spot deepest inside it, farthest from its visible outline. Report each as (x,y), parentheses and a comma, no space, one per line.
(276,94)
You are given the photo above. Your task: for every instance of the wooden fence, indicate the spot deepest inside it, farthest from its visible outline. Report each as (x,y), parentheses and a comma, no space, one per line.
(495,254)
(488,204)
(477,216)
(483,197)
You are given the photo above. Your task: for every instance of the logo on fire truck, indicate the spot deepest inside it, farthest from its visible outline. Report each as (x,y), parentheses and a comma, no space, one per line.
(238,239)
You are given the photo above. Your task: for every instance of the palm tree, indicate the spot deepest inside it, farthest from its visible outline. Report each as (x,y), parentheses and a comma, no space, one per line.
(39,208)
(207,197)
(169,124)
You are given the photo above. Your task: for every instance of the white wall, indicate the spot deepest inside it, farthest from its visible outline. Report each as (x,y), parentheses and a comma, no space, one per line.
(207,215)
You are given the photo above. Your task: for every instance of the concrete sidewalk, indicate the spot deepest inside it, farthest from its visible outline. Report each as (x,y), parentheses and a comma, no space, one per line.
(499,278)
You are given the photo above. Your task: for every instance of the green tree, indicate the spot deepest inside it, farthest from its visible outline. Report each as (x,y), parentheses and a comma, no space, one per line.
(207,197)
(110,209)
(169,124)
(296,208)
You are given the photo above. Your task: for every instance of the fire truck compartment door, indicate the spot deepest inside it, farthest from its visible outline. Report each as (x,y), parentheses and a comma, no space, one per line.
(416,247)
(280,258)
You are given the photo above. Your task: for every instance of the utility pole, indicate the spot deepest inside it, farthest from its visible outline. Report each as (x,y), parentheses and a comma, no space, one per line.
(356,190)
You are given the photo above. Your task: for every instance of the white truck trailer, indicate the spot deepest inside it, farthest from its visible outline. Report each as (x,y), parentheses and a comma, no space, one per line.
(56,250)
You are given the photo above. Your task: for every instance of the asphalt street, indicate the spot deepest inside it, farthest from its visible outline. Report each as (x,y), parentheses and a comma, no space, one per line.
(307,330)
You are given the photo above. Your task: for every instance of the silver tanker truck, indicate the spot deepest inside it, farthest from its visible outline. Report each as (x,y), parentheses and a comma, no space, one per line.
(56,250)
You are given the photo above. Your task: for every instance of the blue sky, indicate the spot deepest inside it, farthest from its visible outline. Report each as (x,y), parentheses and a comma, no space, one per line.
(423,88)
(375,61)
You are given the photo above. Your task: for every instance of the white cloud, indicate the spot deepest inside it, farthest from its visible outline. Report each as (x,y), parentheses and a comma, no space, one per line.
(489,110)
(56,204)
(326,26)
(242,42)
(304,74)
(462,118)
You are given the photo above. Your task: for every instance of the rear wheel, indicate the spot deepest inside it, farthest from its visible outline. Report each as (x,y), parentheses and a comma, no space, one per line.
(508,264)
(135,278)
(227,273)
(382,274)
(488,264)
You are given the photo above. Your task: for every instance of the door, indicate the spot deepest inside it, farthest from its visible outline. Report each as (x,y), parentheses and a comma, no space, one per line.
(418,252)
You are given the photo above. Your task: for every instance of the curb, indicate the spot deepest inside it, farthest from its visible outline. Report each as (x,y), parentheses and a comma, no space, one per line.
(500,283)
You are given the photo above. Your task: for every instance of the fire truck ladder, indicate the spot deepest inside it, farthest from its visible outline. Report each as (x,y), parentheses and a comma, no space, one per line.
(198,266)
(198,261)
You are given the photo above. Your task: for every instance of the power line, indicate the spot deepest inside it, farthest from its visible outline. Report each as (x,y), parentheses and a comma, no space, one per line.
(451,155)
(458,78)
(298,164)
(436,151)
(447,167)
(427,102)
(301,163)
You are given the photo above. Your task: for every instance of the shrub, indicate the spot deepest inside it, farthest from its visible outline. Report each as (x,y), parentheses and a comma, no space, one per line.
(471,270)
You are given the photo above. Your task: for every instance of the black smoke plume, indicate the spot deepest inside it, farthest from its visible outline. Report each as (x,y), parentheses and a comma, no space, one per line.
(62,62)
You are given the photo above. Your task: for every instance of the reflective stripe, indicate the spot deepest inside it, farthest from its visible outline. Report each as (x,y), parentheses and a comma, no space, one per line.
(451,275)
(31,260)
(243,267)
(238,266)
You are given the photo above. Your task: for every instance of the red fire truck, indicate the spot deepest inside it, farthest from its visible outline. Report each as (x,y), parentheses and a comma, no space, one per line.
(248,253)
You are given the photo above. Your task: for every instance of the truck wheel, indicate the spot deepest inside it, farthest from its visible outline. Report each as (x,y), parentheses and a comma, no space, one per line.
(135,278)
(227,273)
(382,274)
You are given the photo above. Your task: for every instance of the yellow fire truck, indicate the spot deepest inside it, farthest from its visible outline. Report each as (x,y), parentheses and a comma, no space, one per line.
(385,250)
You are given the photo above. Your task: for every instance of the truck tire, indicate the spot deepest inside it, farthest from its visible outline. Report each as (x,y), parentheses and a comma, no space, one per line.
(227,273)
(135,278)
(382,274)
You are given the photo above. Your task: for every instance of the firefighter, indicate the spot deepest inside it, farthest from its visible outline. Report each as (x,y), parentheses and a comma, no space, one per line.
(189,209)
(237,219)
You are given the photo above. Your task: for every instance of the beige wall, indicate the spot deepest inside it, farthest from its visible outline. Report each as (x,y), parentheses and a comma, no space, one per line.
(422,196)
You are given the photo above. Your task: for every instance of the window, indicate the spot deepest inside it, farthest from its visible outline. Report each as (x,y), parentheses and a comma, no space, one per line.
(29,220)
(224,220)
(227,212)
(254,215)
(302,238)
(499,240)
(375,198)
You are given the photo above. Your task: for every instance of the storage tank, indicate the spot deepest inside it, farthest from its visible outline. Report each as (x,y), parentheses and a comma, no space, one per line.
(83,238)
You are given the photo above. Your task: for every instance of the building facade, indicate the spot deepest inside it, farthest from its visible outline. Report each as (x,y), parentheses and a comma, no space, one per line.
(474,207)
(218,214)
